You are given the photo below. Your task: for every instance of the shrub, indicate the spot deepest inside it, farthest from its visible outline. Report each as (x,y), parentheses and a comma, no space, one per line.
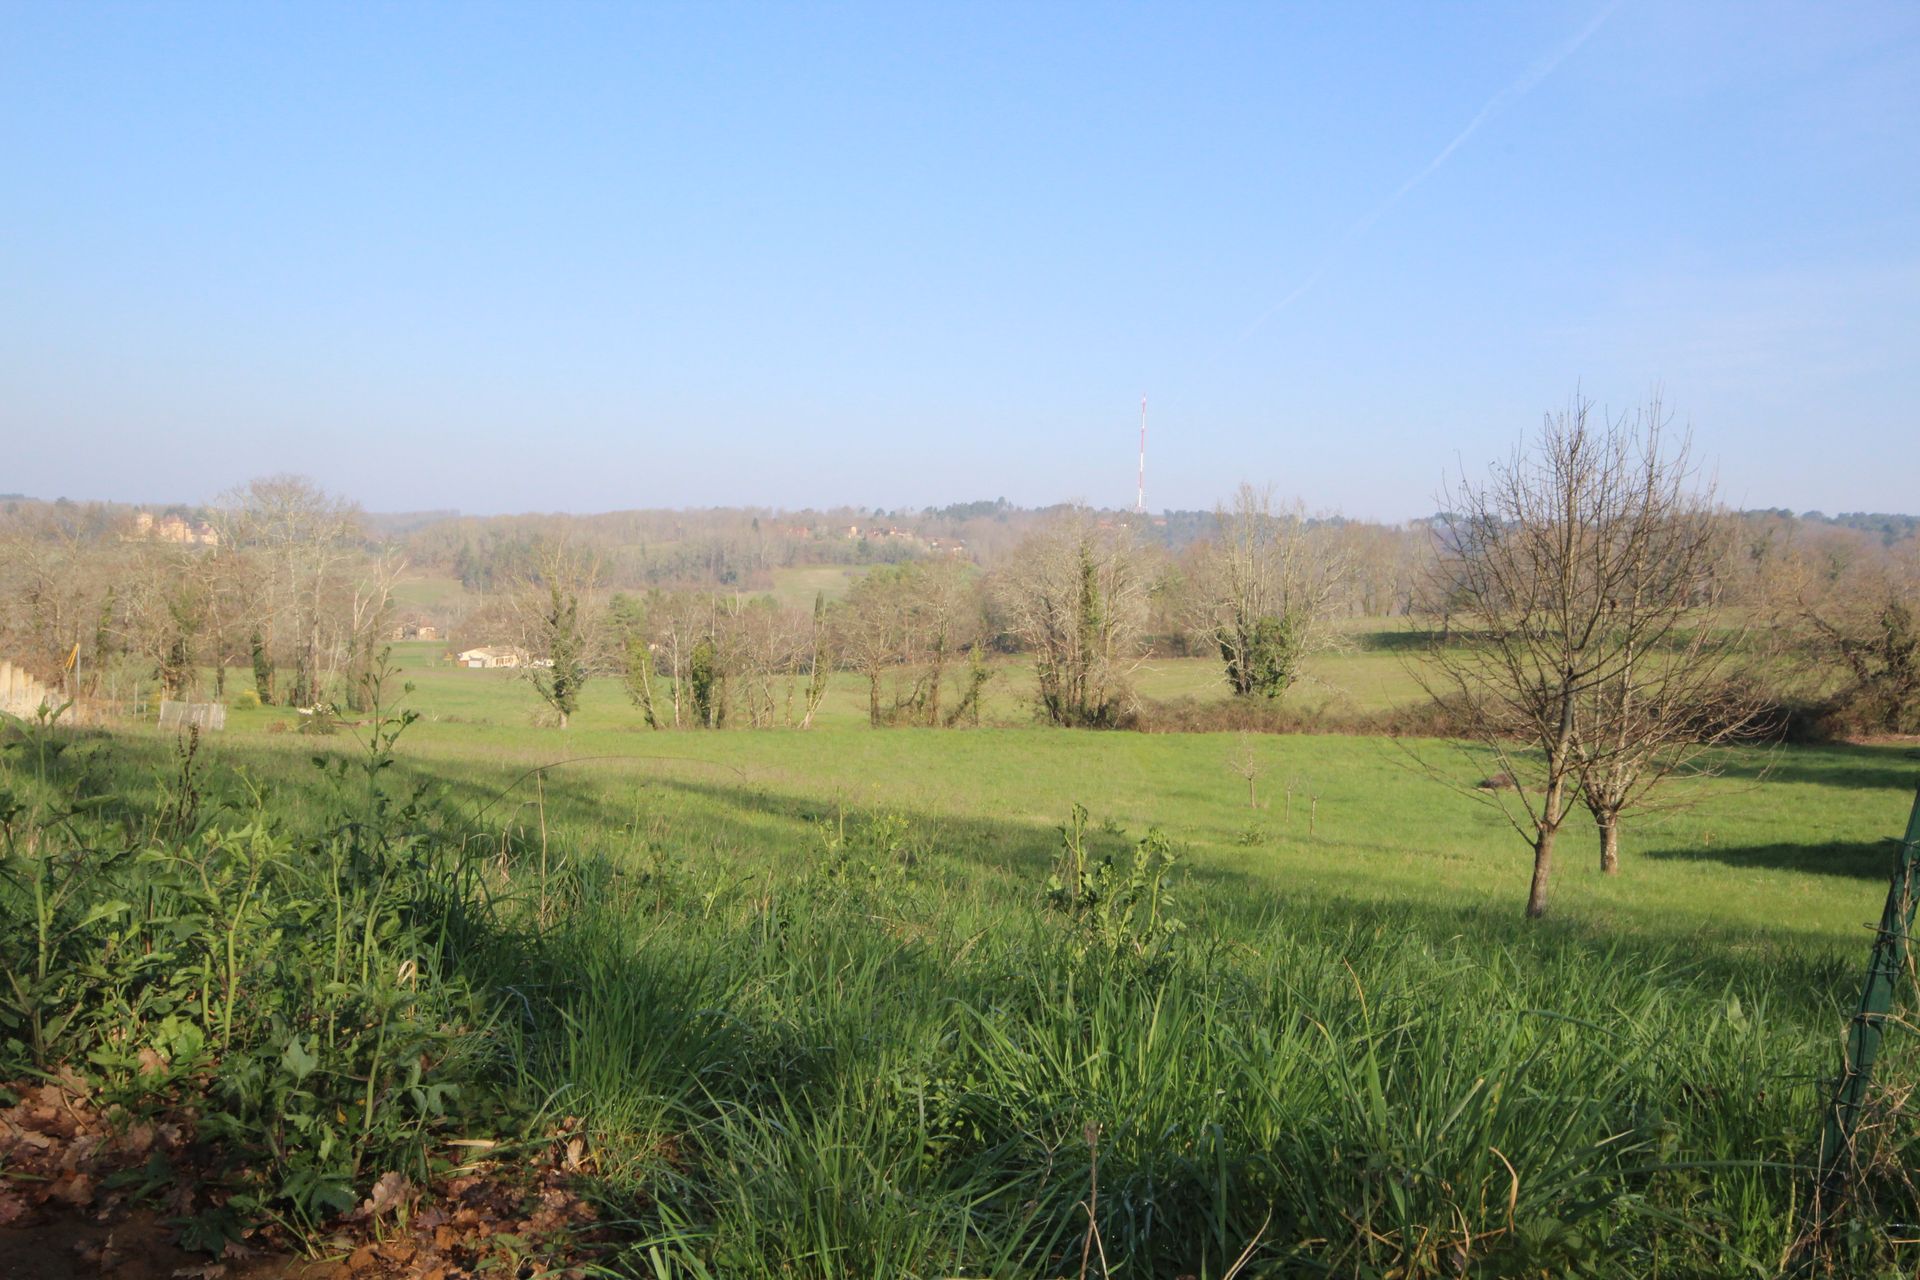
(322,722)
(1124,915)
(299,982)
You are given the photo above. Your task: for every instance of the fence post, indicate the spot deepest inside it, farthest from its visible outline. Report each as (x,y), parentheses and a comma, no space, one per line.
(1864,1033)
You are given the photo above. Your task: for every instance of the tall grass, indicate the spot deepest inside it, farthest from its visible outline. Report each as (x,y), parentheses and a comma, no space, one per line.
(791,1085)
(852,1054)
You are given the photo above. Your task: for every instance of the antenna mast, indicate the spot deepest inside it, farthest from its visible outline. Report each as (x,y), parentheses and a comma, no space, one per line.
(1140,496)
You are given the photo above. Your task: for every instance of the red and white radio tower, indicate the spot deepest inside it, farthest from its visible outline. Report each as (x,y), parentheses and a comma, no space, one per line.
(1140,498)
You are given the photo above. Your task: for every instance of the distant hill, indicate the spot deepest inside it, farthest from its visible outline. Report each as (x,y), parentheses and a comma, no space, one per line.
(1890,527)
(392,523)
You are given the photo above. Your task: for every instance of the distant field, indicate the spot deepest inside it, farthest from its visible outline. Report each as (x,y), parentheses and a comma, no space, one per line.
(1351,681)
(1365,672)
(444,595)
(797,588)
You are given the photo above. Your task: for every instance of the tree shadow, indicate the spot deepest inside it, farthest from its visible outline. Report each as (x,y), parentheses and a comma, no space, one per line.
(1860,767)
(1857,859)
(1408,639)
(1234,905)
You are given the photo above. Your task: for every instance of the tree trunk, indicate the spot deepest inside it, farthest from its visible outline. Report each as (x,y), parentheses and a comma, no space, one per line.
(873,699)
(1542,868)
(933,690)
(1609,844)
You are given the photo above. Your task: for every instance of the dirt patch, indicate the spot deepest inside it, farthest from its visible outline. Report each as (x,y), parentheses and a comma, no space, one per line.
(140,1246)
(94,1190)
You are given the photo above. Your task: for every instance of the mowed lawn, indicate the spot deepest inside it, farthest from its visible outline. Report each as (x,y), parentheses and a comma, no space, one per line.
(1784,848)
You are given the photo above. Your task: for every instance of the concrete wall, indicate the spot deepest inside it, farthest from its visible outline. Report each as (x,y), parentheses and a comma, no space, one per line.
(20,694)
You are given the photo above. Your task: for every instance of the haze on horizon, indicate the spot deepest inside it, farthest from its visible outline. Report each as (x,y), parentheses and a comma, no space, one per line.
(505,258)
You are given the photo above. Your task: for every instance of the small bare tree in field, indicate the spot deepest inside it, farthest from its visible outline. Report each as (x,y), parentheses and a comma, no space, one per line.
(1263,592)
(1578,561)
(1676,684)
(1246,763)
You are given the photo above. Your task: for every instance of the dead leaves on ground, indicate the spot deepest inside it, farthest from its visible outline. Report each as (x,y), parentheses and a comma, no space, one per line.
(59,1149)
(65,1155)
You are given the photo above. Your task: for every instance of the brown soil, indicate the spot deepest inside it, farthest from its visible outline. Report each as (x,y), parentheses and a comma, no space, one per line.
(62,1216)
(139,1247)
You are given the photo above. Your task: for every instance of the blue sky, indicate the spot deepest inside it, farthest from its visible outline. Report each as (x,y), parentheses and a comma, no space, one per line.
(583,257)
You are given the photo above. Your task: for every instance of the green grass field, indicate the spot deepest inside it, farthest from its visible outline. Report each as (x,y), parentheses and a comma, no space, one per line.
(812,997)
(1783,847)
(797,588)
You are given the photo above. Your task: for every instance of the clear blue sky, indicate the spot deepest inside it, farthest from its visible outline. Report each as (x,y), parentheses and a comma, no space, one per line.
(575,256)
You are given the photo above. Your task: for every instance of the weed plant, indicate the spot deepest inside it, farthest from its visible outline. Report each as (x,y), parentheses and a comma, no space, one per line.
(304,984)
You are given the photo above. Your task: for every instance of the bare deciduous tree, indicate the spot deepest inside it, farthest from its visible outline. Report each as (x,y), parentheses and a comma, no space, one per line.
(1675,685)
(306,537)
(1264,591)
(368,623)
(1246,763)
(1577,561)
(1075,595)
(1860,615)
(878,636)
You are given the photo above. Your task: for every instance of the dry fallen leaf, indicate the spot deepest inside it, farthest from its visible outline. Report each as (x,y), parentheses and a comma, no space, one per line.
(390,1191)
(76,1190)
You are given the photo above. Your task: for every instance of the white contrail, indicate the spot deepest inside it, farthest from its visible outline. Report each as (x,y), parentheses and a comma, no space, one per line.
(1498,102)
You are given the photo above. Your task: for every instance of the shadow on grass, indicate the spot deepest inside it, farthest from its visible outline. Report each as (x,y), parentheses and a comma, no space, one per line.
(1862,768)
(1236,906)
(1861,859)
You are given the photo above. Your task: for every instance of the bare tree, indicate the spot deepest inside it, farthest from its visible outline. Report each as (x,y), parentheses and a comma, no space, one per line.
(48,599)
(646,683)
(1576,559)
(876,634)
(660,655)
(368,624)
(1264,592)
(1245,762)
(559,627)
(1075,595)
(947,611)
(165,616)
(1675,684)
(813,657)
(1859,614)
(306,538)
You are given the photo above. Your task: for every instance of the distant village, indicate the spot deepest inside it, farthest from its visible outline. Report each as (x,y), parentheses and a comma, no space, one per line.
(174,528)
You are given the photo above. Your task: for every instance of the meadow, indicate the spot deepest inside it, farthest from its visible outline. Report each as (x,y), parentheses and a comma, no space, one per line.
(1012,1001)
